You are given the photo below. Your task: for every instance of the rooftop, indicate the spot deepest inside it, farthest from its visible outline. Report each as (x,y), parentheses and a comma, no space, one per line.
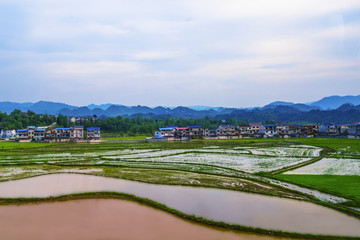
(93,128)
(166,129)
(22,130)
(39,130)
(66,129)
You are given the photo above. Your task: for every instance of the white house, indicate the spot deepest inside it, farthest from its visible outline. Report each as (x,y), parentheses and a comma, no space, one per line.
(10,133)
(268,130)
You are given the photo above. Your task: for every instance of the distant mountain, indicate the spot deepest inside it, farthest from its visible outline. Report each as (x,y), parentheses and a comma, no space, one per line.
(49,107)
(279,103)
(341,108)
(348,107)
(8,107)
(39,107)
(201,108)
(102,106)
(298,106)
(334,102)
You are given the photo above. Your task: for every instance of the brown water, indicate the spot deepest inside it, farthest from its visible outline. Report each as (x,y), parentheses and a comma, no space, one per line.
(104,219)
(216,204)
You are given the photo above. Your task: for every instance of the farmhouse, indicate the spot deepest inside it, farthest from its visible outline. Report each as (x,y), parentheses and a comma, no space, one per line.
(77,133)
(257,130)
(268,130)
(93,133)
(10,133)
(225,130)
(195,132)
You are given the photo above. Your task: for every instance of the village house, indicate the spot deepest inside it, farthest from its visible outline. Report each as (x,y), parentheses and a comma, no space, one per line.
(25,135)
(62,134)
(244,129)
(268,130)
(77,133)
(39,134)
(294,130)
(309,129)
(255,128)
(333,128)
(93,133)
(282,129)
(195,132)
(354,128)
(50,135)
(209,133)
(10,133)
(57,135)
(182,133)
(166,132)
(344,129)
(225,130)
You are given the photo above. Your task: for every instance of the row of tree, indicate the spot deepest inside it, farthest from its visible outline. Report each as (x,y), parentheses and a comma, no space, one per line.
(119,124)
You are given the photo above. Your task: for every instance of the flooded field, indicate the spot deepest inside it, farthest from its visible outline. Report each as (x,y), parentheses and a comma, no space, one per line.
(104,219)
(215,204)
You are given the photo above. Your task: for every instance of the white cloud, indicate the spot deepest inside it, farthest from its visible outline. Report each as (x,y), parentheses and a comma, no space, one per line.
(235,9)
(154,55)
(86,69)
(163,46)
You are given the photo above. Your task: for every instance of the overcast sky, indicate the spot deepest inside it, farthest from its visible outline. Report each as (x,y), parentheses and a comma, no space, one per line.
(229,53)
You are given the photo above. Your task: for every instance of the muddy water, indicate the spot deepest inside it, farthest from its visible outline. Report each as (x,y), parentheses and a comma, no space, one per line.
(103,219)
(216,204)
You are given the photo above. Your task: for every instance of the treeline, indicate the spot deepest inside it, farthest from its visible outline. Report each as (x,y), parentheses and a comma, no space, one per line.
(17,120)
(147,126)
(119,124)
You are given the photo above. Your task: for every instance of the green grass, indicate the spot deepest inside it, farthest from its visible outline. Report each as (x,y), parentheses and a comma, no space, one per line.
(344,186)
(343,145)
(24,145)
(118,136)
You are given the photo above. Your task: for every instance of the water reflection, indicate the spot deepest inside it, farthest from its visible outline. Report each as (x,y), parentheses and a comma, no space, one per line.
(216,204)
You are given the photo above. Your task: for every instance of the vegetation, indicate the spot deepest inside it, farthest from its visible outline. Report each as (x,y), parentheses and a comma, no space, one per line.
(18,120)
(134,160)
(124,126)
(347,186)
(26,145)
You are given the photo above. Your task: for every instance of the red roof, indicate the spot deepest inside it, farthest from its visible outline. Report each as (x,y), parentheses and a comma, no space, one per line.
(183,128)
(255,124)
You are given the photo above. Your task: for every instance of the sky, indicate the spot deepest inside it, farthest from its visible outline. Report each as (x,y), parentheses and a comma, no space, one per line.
(230,53)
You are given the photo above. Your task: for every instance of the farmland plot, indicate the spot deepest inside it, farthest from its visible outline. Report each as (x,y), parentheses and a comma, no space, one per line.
(330,166)
(246,163)
(302,151)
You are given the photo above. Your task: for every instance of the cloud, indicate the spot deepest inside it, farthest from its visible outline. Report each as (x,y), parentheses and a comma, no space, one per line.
(154,55)
(134,49)
(88,69)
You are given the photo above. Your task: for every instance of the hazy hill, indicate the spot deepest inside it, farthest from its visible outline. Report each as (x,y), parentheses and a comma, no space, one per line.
(334,102)
(347,107)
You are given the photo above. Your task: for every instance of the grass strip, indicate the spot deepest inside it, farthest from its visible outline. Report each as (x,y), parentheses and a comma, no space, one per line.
(339,185)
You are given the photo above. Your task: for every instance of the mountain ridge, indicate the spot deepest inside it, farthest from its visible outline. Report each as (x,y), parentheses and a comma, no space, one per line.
(345,103)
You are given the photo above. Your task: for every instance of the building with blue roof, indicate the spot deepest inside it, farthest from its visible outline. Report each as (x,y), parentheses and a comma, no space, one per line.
(166,132)
(93,133)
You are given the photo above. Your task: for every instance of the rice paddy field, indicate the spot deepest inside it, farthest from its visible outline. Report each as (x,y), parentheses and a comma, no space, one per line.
(320,170)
